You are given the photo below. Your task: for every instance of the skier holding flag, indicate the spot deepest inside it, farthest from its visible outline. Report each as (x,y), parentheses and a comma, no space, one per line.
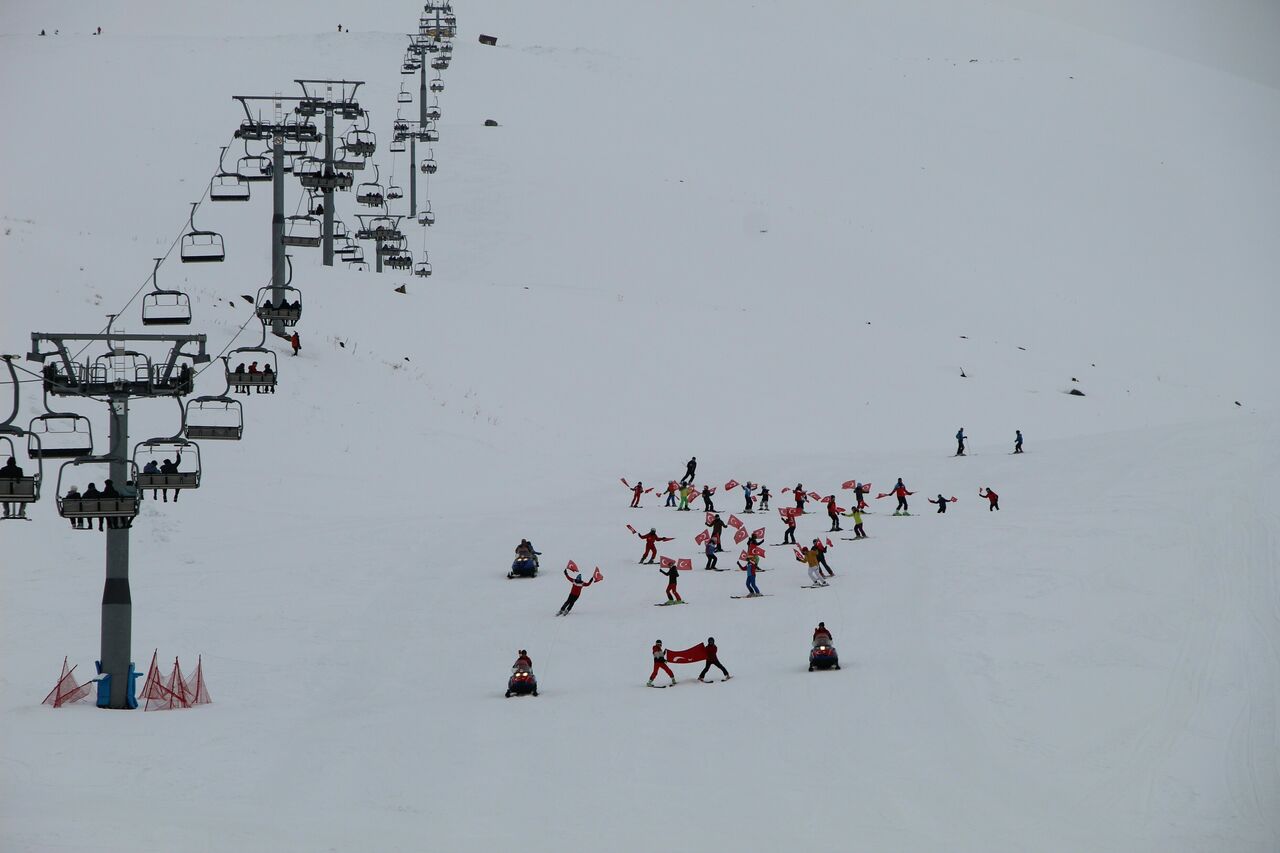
(650,545)
(764,497)
(941,502)
(672,572)
(833,513)
(636,491)
(660,663)
(578,585)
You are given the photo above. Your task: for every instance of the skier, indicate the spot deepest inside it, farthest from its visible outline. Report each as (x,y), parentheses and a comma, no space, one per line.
(689,469)
(858,532)
(992,497)
(707,505)
(671,493)
(753,563)
(800,497)
(764,497)
(684,499)
(833,513)
(295,342)
(789,538)
(821,551)
(574,591)
(673,577)
(650,546)
(636,491)
(660,663)
(941,502)
(717,530)
(859,493)
(710,550)
(747,489)
(713,659)
(1017,441)
(810,559)
(960,437)
(901,492)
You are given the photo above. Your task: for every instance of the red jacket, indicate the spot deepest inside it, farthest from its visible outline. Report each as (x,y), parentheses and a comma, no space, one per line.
(659,653)
(638,489)
(901,491)
(831,507)
(990,495)
(822,632)
(578,586)
(650,538)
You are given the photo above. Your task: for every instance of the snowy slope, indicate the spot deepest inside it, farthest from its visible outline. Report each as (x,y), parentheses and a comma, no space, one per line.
(772,237)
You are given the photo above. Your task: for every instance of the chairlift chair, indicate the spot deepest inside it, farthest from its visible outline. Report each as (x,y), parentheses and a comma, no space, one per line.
(370,193)
(436,85)
(215,418)
(201,246)
(79,472)
(26,488)
(429,165)
(305,231)
(340,231)
(228,186)
(433,112)
(182,455)
(423,269)
(405,96)
(254,168)
(358,265)
(163,307)
(362,142)
(397,145)
(430,134)
(394,193)
(287,312)
(426,216)
(264,378)
(440,64)
(59,435)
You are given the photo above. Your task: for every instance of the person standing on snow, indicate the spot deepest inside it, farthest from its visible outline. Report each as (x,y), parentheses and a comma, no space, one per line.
(671,494)
(660,663)
(747,489)
(821,551)
(800,497)
(712,559)
(295,342)
(689,470)
(707,505)
(764,497)
(1017,441)
(941,502)
(713,659)
(901,492)
(578,585)
(992,498)
(810,559)
(636,491)
(753,563)
(833,513)
(673,577)
(717,530)
(650,545)
(789,537)
(960,436)
(858,532)
(684,499)
(859,493)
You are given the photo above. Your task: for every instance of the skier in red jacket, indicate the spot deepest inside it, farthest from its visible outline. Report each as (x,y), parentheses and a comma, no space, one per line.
(800,496)
(574,591)
(900,491)
(636,491)
(789,538)
(650,545)
(992,497)
(660,663)
(713,659)
(833,513)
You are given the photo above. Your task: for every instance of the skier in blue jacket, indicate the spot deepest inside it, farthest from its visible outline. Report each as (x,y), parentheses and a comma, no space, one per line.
(710,550)
(1017,441)
(960,437)
(748,493)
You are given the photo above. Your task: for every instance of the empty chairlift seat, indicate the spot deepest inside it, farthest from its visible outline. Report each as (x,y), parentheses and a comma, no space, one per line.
(201,246)
(215,418)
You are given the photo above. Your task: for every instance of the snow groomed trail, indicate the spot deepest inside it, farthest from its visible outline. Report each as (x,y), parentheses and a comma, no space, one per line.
(673,245)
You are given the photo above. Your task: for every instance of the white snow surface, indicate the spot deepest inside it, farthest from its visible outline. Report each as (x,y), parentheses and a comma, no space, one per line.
(768,235)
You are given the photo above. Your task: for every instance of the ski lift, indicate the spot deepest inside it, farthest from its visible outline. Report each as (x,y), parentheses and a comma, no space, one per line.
(215,418)
(242,378)
(340,231)
(253,167)
(405,97)
(397,145)
(358,265)
(288,311)
(165,307)
(370,193)
(440,64)
(430,134)
(227,186)
(122,371)
(304,231)
(174,463)
(18,487)
(345,158)
(423,269)
(402,261)
(200,246)
(59,435)
(437,84)
(433,112)
(394,192)
(353,254)
(429,165)
(361,142)
(426,216)
(80,475)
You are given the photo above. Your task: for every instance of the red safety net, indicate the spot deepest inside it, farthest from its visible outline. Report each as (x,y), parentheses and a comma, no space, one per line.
(66,690)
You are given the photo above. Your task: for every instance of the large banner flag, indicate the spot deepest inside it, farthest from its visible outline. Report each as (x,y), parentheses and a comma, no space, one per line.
(697,654)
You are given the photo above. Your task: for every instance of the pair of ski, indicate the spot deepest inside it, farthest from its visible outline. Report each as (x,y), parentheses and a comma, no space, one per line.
(761,595)
(669,603)
(673,684)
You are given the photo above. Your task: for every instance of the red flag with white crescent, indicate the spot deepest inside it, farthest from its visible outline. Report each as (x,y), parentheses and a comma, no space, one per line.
(734,521)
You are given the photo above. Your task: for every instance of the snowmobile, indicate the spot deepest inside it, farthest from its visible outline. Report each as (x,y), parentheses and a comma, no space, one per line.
(523,567)
(823,656)
(522,682)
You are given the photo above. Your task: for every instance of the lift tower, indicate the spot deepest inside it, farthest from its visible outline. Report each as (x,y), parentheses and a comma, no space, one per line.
(339,97)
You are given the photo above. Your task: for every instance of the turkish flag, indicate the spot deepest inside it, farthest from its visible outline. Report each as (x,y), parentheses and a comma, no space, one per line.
(711,516)
(666,562)
(740,536)
(572,568)
(758,533)
(757,551)
(684,564)
(632,529)
(786,489)
(849,484)
(701,538)
(815,496)
(624,482)
(597,577)
(734,521)
(697,654)
(829,545)
(732,484)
